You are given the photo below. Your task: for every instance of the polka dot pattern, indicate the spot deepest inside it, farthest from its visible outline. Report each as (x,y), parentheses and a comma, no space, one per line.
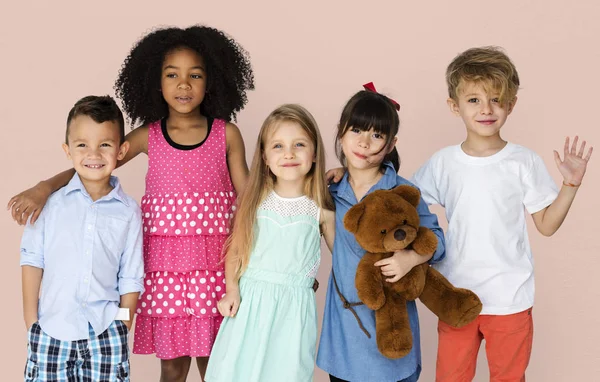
(188,213)
(175,294)
(183,254)
(187,210)
(173,338)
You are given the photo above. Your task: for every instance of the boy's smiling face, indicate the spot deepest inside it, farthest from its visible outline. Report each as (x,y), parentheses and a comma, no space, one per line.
(94,148)
(480,109)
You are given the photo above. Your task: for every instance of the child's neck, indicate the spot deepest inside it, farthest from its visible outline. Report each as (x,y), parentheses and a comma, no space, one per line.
(361,180)
(97,189)
(289,189)
(187,120)
(478,146)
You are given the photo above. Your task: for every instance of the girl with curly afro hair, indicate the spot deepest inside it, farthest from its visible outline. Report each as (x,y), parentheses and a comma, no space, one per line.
(181,87)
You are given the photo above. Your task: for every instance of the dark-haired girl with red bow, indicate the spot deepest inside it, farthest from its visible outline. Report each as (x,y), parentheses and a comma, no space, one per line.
(365,145)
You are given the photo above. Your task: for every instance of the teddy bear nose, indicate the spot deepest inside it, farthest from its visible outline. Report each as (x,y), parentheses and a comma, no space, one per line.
(400,235)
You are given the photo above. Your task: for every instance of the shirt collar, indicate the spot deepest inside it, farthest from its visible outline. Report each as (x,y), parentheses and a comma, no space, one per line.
(387,182)
(116,193)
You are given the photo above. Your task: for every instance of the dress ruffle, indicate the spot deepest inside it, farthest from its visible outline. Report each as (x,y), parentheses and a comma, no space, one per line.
(188,213)
(181,294)
(183,253)
(177,337)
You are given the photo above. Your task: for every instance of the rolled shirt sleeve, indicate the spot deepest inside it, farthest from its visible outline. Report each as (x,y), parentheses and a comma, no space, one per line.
(131,269)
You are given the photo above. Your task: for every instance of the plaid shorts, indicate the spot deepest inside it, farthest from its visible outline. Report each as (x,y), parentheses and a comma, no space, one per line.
(101,358)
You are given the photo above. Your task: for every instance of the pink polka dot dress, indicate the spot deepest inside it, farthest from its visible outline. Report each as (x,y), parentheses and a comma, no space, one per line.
(187,210)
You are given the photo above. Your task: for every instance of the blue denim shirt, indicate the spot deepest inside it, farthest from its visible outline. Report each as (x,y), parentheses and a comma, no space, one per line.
(344,350)
(91,254)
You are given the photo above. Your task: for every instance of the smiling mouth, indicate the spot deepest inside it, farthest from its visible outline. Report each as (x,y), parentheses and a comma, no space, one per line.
(360,156)
(94,166)
(290,165)
(184,99)
(487,122)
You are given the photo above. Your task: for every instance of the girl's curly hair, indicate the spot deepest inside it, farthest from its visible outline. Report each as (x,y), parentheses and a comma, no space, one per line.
(227,64)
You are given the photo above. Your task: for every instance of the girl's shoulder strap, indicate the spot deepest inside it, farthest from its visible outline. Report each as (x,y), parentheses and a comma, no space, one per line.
(154,127)
(219,125)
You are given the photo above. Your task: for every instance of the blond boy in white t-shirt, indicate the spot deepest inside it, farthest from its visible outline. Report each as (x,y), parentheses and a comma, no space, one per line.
(485,185)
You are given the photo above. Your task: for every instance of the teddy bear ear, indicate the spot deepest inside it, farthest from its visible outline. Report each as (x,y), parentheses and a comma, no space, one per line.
(353,216)
(410,193)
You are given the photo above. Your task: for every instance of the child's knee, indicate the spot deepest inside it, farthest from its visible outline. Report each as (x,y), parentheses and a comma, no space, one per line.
(174,370)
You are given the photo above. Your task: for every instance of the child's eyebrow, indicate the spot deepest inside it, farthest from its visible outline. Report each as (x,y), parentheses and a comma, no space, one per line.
(177,67)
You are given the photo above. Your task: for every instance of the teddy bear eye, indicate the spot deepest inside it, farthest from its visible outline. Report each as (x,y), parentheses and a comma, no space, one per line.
(383,231)
(404,222)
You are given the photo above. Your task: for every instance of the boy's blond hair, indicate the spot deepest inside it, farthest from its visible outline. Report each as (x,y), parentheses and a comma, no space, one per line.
(488,66)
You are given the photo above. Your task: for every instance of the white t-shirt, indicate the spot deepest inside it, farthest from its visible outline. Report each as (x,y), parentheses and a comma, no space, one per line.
(487,246)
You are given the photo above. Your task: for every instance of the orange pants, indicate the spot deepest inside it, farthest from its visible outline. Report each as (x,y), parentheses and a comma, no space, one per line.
(508,341)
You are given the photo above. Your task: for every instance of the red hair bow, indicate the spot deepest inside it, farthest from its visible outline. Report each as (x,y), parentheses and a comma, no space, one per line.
(370,87)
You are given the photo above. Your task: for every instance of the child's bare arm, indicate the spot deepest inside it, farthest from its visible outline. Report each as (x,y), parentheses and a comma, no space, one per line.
(31,282)
(31,201)
(228,305)
(129,302)
(236,157)
(572,168)
(138,143)
(328,227)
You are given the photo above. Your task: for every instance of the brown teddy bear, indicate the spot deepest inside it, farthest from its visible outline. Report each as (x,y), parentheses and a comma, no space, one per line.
(386,221)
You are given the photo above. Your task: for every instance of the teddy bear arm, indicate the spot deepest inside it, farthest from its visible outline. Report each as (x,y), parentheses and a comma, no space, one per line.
(426,242)
(369,281)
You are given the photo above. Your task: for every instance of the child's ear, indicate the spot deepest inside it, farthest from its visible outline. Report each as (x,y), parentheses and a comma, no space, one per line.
(511,105)
(352,217)
(453,106)
(409,193)
(66,150)
(123,150)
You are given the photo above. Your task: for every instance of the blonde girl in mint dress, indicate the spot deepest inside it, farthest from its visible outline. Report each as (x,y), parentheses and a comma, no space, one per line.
(270,328)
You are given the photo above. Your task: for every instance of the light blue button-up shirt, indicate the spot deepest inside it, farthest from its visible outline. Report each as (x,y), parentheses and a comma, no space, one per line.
(344,350)
(91,254)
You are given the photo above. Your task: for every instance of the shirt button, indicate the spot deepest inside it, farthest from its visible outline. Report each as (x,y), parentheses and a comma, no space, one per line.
(84,304)
(89,227)
(85,280)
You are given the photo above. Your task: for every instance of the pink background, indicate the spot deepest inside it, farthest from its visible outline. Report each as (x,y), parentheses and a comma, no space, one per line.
(318,54)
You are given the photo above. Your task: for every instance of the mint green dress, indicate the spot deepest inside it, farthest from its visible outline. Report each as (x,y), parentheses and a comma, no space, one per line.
(273,336)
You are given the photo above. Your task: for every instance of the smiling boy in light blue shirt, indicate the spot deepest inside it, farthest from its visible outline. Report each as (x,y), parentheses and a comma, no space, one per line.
(85,251)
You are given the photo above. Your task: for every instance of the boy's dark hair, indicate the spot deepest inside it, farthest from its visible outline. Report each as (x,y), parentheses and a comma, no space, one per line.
(369,110)
(229,74)
(100,109)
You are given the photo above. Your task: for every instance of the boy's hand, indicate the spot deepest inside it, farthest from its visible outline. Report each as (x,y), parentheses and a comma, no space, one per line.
(574,164)
(335,175)
(398,265)
(29,203)
(228,306)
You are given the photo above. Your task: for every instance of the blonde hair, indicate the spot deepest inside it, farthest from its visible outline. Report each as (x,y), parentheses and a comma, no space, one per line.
(488,66)
(261,181)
